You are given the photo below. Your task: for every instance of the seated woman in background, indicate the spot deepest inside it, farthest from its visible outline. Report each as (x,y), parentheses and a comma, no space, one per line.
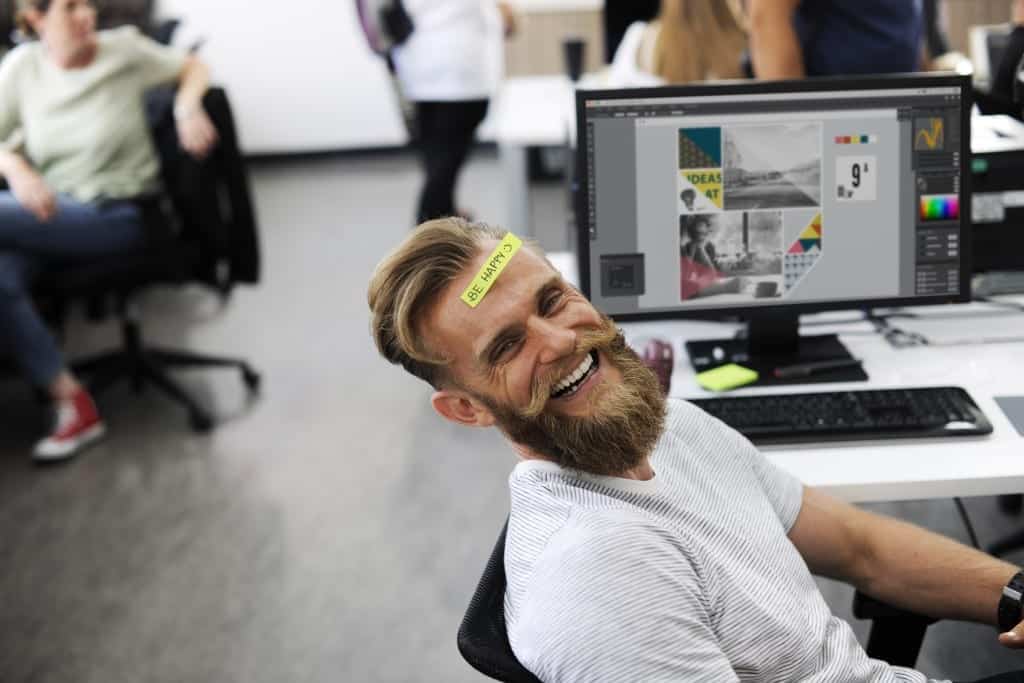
(80,170)
(690,40)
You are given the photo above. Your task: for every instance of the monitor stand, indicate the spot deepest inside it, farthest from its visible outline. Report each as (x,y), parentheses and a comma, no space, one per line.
(773,342)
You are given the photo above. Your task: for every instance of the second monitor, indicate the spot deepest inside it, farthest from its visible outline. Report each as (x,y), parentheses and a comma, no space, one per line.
(767,200)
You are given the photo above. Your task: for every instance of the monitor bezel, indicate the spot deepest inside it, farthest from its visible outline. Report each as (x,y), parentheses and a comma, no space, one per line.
(824,84)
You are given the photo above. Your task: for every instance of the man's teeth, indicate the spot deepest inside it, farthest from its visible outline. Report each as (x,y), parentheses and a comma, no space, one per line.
(582,369)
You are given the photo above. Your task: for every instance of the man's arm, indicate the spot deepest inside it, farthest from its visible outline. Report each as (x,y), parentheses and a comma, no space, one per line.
(899,563)
(774,46)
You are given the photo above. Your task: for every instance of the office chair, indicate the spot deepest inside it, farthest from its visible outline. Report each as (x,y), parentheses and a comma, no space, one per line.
(483,638)
(895,637)
(202,230)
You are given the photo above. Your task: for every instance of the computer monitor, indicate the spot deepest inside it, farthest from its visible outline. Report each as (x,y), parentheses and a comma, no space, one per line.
(765,200)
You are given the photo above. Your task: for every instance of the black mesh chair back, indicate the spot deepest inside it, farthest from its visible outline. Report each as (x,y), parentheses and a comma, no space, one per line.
(483,639)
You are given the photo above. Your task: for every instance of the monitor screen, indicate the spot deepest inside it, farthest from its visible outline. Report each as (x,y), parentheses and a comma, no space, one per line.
(748,198)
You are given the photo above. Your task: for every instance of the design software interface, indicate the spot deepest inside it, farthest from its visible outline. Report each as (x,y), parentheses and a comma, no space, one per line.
(746,200)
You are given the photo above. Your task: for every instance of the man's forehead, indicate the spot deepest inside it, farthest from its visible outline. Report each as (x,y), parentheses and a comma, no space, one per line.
(454,319)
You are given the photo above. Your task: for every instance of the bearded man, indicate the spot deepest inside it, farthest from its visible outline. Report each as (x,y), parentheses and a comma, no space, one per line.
(646,539)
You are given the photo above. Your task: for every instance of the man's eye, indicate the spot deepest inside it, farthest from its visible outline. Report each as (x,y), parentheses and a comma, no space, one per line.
(551,302)
(505,348)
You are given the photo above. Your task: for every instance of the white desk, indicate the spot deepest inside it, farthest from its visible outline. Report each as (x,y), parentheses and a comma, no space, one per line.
(532,111)
(893,469)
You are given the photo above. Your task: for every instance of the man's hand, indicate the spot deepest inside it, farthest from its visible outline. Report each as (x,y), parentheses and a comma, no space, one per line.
(1018,11)
(32,192)
(196,132)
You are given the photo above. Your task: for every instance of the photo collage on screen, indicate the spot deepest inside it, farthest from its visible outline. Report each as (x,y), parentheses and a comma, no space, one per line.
(736,186)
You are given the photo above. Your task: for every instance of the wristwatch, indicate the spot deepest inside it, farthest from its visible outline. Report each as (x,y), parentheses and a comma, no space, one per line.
(1010,612)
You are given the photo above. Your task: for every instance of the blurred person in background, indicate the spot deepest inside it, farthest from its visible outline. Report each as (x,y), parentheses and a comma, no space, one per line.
(81,168)
(444,68)
(1001,99)
(798,38)
(689,40)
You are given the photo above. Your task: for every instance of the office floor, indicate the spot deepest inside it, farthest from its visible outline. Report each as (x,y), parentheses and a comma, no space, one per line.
(331,530)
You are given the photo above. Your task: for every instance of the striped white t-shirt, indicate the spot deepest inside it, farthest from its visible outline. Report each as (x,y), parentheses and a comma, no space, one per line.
(689,576)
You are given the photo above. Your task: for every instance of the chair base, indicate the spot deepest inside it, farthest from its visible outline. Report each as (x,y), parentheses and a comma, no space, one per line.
(149,366)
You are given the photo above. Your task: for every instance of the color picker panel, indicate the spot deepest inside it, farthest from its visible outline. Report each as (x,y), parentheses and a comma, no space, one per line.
(940,207)
(856,139)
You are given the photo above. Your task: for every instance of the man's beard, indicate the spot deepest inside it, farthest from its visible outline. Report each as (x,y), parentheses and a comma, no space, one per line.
(624,423)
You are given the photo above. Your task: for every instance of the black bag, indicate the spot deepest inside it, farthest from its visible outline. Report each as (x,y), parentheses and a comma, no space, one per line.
(385,24)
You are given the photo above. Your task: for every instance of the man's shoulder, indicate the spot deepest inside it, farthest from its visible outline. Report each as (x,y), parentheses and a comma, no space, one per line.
(592,539)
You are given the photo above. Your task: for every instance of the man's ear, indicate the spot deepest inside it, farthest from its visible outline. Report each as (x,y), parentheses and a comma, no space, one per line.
(461,408)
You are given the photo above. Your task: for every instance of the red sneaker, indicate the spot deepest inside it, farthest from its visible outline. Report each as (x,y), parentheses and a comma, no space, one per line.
(78,425)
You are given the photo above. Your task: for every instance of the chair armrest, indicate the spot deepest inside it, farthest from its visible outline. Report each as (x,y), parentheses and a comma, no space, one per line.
(866,607)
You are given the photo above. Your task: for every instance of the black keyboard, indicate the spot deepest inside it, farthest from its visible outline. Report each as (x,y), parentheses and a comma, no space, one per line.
(850,415)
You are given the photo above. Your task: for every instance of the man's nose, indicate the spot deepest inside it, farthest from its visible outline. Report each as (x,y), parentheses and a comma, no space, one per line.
(556,341)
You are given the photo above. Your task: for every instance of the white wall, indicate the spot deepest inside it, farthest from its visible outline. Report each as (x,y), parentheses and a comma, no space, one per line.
(298,72)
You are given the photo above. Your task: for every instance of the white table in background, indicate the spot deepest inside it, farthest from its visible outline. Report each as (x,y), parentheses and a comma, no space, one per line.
(530,111)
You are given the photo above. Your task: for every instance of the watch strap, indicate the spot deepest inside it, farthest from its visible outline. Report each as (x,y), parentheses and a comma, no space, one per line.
(1010,613)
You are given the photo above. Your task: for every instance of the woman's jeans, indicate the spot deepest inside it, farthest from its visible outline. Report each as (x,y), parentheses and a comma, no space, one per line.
(77,234)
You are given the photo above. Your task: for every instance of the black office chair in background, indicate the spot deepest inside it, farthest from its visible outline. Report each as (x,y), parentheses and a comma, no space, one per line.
(202,230)
(896,635)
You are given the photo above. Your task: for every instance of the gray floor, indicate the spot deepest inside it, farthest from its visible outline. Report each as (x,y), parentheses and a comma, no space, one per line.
(331,530)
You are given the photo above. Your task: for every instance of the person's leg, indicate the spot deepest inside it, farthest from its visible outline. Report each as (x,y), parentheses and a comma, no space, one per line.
(466,120)
(29,342)
(455,127)
(433,148)
(78,233)
(446,138)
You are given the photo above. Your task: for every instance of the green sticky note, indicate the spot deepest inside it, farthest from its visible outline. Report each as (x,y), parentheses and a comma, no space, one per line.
(726,377)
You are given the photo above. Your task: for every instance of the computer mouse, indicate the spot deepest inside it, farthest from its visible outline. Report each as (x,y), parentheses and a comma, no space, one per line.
(657,355)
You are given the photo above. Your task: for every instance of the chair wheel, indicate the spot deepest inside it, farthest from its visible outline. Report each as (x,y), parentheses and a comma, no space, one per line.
(252,379)
(200,422)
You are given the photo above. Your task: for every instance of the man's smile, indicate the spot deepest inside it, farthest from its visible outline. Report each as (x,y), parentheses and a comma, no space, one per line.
(571,383)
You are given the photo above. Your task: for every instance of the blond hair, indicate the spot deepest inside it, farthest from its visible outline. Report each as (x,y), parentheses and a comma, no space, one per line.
(407,283)
(698,40)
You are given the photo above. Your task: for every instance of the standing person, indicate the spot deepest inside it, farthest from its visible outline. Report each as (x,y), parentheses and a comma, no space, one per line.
(798,38)
(444,69)
(1002,99)
(690,40)
(84,172)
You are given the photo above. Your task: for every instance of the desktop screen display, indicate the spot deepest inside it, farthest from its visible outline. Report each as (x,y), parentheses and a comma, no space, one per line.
(741,197)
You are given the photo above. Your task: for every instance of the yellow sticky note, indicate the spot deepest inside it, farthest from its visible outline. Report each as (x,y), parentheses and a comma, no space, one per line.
(496,262)
(726,377)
